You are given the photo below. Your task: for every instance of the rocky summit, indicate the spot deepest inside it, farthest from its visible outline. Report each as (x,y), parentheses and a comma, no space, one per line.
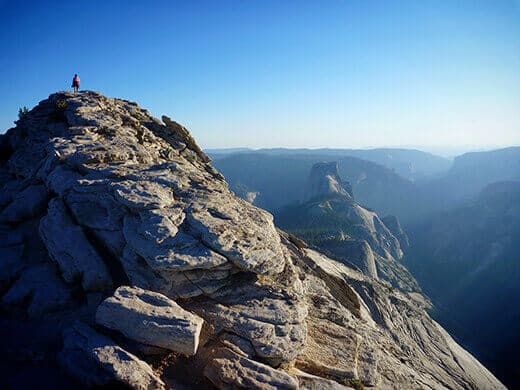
(126,260)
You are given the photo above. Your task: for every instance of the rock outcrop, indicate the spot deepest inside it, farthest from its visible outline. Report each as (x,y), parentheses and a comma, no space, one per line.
(229,369)
(150,318)
(334,223)
(138,235)
(96,361)
(324,180)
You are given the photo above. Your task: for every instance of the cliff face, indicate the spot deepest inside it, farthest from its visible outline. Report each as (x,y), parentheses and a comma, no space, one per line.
(324,180)
(334,223)
(125,258)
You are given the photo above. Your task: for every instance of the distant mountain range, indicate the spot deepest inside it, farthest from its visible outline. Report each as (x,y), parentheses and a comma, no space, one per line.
(277,176)
(409,163)
(279,180)
(470,173)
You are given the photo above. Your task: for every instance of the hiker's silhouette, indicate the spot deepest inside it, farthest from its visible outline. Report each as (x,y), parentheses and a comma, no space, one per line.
(75,83)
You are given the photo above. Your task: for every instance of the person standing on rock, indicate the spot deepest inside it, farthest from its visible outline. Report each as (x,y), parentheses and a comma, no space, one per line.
(75,83)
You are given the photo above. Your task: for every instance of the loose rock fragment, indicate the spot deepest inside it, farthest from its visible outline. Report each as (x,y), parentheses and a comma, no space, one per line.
(96,360)
(151,318)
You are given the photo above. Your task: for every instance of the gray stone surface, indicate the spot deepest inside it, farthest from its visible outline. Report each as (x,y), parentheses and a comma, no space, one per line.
(312,382)
(393,224)
(42,286)
(154,235)
(61,180)
(93,206)
(26,204)
(240,231)
(150,318)
(11,251)
(96,360)
(142,194)
(382,337)
(270,314)
(237,344)
(229,370)
(69,248)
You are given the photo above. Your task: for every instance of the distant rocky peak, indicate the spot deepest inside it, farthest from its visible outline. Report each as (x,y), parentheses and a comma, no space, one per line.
(324,180)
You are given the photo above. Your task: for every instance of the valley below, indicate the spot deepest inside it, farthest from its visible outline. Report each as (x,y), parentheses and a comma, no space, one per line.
(461,220)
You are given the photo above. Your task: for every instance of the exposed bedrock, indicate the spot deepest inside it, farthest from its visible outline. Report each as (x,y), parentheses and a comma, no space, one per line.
(116,219)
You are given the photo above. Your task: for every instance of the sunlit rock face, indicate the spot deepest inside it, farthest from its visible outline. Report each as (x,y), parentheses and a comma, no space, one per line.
(333,222)
(324,180)
(126,259)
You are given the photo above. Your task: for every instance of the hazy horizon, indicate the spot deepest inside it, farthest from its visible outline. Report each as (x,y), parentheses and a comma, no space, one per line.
(348,75)
(448,151)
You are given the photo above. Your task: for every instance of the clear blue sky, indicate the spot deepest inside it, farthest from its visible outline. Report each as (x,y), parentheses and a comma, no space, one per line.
(280,73)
